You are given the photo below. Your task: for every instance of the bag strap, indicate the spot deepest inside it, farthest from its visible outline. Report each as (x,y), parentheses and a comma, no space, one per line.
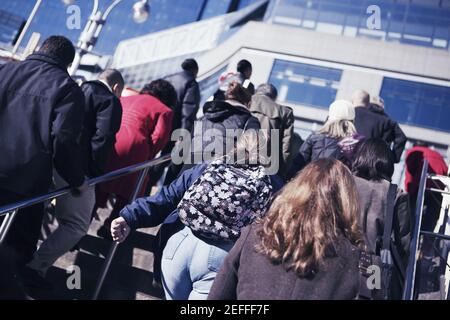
(389,253)
(389,217)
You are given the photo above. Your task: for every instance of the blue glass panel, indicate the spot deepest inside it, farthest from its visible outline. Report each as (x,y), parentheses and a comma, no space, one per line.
(215,8)
(418,104)
(246,3)
(306,84)
(405,21)
(120,25)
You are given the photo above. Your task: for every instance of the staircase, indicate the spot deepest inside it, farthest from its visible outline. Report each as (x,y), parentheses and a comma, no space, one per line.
(130,276)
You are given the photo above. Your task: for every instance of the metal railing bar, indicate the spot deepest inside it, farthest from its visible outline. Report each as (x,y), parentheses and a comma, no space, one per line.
(435,235)
(408,293)
(115,245)
(438,191)
(437,176)
(91,182)
(6,224)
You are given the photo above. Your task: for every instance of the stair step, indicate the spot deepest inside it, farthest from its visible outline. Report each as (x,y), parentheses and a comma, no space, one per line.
(130,276)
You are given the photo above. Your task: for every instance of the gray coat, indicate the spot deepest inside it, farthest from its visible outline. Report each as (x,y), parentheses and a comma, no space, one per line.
(248,275)
(373,201)
(274,116)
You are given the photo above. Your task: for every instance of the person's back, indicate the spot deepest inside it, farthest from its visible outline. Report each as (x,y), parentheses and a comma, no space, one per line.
(188,95)
(145,130)
(41,114)
(337,139)
(103,117)
(306,245)
(262,280)
(373,123)
(273,116)
(373,201)
(373,169)
(41,117)
(219,119)
(414,161)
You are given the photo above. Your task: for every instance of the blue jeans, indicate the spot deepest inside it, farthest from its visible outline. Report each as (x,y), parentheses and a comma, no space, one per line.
(189,265)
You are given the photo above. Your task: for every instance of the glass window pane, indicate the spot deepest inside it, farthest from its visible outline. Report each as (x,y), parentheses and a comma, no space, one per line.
(215,8)
(417,104)
(305,84)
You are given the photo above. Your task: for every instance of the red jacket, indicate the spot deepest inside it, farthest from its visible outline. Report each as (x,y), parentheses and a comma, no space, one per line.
(414,162)
(146,128)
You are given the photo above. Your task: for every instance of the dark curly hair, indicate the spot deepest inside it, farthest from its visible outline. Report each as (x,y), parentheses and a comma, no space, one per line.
(59,47)
(163,91)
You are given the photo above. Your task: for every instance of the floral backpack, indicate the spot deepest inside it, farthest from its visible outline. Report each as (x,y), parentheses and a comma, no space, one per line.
(224,199)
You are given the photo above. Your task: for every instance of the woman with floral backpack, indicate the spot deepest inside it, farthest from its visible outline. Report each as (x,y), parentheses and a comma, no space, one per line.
(214,202)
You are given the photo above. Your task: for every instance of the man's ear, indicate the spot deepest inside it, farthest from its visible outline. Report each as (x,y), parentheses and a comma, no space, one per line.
(117,89)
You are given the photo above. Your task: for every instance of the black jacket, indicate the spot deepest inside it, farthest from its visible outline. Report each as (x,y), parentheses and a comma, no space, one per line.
(103,115)
(220,116)
(248,275)
(373,123)
(319,146)
(188,96)
(41,115)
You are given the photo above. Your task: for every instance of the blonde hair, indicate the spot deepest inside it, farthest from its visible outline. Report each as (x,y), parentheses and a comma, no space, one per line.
(338,128)
(305,220)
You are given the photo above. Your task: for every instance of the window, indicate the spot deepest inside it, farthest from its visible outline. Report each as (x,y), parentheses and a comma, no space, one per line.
(305,84)
(215,8)
(418,104)
(10,25)
(425,23)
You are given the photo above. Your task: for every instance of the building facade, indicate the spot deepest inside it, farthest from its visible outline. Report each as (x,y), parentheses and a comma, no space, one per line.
(317,51)
(52,16)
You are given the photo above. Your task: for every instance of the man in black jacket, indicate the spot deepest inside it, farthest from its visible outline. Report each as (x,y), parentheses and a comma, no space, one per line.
(103,115)
(372,124)
(188,94)
(41,115)
(245,70)
(185,111)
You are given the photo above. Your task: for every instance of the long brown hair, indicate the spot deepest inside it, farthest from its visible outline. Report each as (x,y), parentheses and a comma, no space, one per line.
(305,219)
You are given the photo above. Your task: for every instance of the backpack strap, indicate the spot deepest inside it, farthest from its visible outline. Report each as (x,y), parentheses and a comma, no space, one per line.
(389,253)
(389,217)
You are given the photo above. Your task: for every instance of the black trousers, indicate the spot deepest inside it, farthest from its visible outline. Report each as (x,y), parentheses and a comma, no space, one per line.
(24,232)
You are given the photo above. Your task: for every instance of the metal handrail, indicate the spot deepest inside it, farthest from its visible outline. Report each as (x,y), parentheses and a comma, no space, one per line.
(408,293)
(91,182)
(11,210)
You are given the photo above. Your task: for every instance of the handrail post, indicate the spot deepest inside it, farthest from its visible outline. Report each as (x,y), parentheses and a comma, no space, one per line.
(6,224)
(115,245)
(408,293)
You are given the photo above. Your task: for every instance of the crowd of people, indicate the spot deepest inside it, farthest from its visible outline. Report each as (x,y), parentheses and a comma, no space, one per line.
(229,227)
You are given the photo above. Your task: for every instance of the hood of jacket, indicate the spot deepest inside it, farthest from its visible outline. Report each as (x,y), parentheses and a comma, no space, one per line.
(376,109)
(265,106)
(217,111)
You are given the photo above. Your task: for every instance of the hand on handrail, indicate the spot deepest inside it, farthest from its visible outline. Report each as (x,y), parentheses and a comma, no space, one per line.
(120,229)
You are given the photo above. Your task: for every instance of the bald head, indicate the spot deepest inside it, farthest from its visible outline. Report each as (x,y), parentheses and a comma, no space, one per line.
(114,79)
(361,98)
